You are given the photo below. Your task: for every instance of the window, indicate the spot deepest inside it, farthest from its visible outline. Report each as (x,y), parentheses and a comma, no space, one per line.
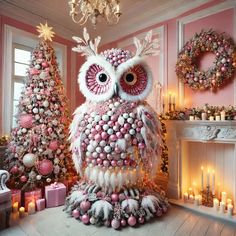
(21,61)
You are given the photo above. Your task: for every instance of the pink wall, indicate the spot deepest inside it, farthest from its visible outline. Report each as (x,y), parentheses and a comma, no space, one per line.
(225,95)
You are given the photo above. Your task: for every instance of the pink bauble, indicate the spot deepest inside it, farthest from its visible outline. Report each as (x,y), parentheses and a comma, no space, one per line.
(75,214)
(85,219)
(23,178)
(114,197)
(85,206)
(97,137)
(53,145)
(44,64)
(14,170)
(49,130)
(113,138)
(98,128)
(114,163)
(118,134)
(141,145)
(113,118)
(99,161)
(93,131)
(104,135)
(132,221)
(106,163)
(123,130)
(26,121)
(115,224)
(45,167)
(141,220)
(127,126)
(123,222)
(164,209)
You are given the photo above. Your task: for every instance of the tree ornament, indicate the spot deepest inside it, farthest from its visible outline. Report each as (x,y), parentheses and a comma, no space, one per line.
(45,167)
(85,206)
(75,214)
(53,145)
(115,224)
(14,170)
(26,121)
(29,160)
(132,221)
(85,218)
(23,178)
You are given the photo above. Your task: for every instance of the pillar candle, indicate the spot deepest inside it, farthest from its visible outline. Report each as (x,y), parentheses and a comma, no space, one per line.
(15,207)
(216,204)
(191,118)
(230,209)
(223,197)
(196,200)
(211,118)
(31,208)
(185,197)
(222,207)
(202,178)
(204,116)
(222,115)
(213,182)
(217,118)
(21,212)
(191,198)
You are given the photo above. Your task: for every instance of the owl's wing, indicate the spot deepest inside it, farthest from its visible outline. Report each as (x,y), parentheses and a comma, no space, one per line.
(76,137)
(152,134)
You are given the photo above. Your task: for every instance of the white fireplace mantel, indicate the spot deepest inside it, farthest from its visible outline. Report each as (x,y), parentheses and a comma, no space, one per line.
(194,131)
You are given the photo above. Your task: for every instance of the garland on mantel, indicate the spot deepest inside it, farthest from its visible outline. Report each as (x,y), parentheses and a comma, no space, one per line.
(230,113)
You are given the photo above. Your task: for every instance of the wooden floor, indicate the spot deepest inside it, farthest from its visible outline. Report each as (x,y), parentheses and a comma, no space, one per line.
(178,221)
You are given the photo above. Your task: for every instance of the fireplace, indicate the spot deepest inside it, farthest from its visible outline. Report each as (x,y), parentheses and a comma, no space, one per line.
(202,156)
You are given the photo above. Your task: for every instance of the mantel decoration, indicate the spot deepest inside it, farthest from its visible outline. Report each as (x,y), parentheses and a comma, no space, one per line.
(82,10)
(223,66)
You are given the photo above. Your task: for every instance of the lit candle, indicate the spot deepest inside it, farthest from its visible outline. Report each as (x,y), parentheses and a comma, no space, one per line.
(217,118)
(204,116)
(229,201)
(230,209)
(211,118)
(185,197)
(191,198)
(31,208)
(222,207)
(21,212)
(202,178)
(190,191)
(191,118)
(222,115)
(213,182)
(173,98)
(216,204)
(196,200)
(15,207)
(223,197)
(169,98)
(208,177)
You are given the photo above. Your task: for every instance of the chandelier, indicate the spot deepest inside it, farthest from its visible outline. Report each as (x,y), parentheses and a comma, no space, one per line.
(82,10)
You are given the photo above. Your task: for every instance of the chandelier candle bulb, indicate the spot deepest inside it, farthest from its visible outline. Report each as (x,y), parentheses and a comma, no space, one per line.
(224,197)
(202,178)
(31,208)
(230,209)
(222,115)
(222,207)
(15,207)
(21,212)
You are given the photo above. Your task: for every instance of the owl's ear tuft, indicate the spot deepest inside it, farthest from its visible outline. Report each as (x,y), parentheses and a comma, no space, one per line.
(86,46)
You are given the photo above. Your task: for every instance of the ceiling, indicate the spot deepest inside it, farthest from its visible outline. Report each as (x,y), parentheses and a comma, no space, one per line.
(136,15)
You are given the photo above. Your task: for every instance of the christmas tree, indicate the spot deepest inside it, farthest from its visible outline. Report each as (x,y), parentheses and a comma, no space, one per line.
(38,152)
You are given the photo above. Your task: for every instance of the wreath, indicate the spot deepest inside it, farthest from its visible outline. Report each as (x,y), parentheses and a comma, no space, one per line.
(223,66)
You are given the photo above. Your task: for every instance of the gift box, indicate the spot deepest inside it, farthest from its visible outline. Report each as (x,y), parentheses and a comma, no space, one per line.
(32,196)
(40,204)
(16,196)
(55,194)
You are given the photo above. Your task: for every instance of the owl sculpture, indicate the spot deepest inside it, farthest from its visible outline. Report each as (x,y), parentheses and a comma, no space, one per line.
(116,138)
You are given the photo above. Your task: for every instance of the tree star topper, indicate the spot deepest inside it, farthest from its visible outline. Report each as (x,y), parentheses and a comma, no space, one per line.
(45,31)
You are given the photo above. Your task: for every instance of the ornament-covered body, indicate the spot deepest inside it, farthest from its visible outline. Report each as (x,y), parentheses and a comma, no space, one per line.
(116,140)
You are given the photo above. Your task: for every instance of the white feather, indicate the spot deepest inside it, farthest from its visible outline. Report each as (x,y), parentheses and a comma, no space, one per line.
(77,162)
(74,196)
(101,207)
(120,180)
(150,202)
(144,135)
(107,178)
(101,179)
(130,205)
(113,181)
(94,174)
(87,172)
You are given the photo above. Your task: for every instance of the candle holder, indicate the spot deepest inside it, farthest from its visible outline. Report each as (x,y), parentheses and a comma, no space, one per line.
(173,106)
(163,108)
(207,197)
(169,107)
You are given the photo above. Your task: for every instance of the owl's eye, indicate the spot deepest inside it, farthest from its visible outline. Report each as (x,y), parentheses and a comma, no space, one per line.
(130,78)
(102,77)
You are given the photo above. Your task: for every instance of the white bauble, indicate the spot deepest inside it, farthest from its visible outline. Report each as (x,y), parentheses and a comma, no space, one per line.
(29,159)
(35,110)
(46,103)
(38,177)
(48,180)
(39,97)
(24,130)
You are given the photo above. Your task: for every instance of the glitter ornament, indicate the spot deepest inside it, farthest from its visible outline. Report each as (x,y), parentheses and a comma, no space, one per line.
(115,224)
(29,160)
(45,167)
(26,121)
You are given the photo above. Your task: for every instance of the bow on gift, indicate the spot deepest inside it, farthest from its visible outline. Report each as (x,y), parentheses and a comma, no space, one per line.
(54,185)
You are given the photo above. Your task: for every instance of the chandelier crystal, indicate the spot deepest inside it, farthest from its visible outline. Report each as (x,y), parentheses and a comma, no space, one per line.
(82,10)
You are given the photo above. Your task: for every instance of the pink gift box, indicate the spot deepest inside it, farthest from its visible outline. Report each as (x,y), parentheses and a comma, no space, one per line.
(55,194)
(40,204)
(16,196)
(32,196)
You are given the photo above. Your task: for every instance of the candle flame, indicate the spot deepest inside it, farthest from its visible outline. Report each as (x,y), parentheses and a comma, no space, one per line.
(202,167)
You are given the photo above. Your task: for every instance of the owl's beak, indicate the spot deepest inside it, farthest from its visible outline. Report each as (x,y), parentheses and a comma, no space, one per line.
(116,90)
